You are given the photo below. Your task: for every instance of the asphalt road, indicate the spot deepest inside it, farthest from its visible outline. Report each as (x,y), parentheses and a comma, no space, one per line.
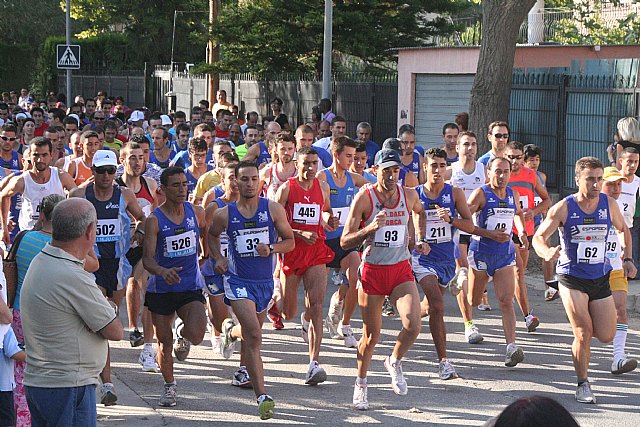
(485,386)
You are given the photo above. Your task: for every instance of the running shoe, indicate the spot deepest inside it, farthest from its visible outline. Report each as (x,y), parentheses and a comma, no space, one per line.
(216,344)
(241,378)
(484,307)
(398,383)
(181,348)
(446,371)
(623,365)
(148,362)
(228,342)
(453,284)
(551,294)
(265,406)
(387,308)
(315,374)
(514,355)
(584,393)
(473,335)
(532,322)
(333,317)
(360,398)
(276,318)
(107,394)
(350,340)
(168,397)
(136,338)
(304,330)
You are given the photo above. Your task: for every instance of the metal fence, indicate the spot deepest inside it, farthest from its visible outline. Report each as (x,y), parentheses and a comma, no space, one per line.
(359,97)
(569,117)
(129,84)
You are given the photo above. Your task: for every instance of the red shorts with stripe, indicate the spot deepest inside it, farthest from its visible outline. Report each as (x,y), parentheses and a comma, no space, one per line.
(383,279)
(299,260)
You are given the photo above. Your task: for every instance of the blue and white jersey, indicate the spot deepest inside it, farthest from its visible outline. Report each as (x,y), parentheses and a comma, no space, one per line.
(414,166)
(208,268)
(497,214)
(341,198)
(264,157)
(177,246)
(13,164)
(439,233)
(583,238)
(244,235)
(114,225)
(163,165)
(192,181)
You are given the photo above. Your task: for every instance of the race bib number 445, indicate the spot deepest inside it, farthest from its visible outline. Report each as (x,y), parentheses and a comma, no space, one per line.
(306,213)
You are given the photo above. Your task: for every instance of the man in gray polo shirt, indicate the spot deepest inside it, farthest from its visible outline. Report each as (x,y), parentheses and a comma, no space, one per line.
(67,322)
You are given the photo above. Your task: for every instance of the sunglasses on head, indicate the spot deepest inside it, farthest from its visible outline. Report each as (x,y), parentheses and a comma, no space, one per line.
(101,170)
(501,135)
(8,138)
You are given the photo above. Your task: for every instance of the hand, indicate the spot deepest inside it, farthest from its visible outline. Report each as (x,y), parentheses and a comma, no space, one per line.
(263,250)
(171,276)
(552,254)
(528,214)
(137,238)
(332,224)
(6,236)
(443,214)
(498,236)
(309,237)
(222,264)
(524,241)
(629,269)
(114,306)
(422,248)
(378,221)
(11,225)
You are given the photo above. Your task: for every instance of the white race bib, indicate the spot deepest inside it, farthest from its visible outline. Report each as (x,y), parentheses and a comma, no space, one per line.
(591,240)
(591,252)
(108,230)
(537,200)
(247,241)
(341,214)
(524,202)
(306,213)
(501,220)
(438,231)
(390,236)
(183,244)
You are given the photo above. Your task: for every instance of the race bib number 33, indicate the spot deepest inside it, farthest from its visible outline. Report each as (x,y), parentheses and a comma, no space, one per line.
(247,241)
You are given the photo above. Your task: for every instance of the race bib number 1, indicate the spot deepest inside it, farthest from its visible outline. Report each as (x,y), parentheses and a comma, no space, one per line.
(341,214)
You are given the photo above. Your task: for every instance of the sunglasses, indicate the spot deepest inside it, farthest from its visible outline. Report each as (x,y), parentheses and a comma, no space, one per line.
(501,135)
(520,157)
(8,138)
(101,170)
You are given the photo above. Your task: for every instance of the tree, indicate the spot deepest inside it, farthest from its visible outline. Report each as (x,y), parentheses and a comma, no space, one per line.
(501,20)
(286,35)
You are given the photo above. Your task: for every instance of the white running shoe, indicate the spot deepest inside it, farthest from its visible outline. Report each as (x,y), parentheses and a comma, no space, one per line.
(446,371)
(107,394)
(241,378)
(360,400)
(584,393)
(514,355)
(484,307)
(532,322)
(334,315)
(304,330)
(350,340)
(473,335)
(623,365)
(148,362)
(398,383)
(228,342)
(315,374)
(217,344)
(168,397)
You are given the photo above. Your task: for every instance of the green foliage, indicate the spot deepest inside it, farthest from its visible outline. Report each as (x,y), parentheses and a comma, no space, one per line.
(590,26)
(21,59)
(277,36)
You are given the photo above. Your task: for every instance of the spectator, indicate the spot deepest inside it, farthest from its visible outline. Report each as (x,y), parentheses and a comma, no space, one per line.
(222,103)
(462,120)
(279,116)
(533,411)
(325,109)
(67,322)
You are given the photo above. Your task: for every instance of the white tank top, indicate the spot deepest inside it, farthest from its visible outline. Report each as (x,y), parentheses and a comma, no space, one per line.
(67,160)
(389,245)
(627,200)
(466,182)
(33,194)
(275,182)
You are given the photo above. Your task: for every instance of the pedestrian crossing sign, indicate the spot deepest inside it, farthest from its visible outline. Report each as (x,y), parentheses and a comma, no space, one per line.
(68,56)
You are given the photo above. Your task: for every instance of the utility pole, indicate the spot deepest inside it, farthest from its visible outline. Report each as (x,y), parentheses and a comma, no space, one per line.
(327,49)
(68,24)
(214,52)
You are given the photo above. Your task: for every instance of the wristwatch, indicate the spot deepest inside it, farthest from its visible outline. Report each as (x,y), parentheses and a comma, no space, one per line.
(451,220)
(628,260)
(270,248)
(423,240)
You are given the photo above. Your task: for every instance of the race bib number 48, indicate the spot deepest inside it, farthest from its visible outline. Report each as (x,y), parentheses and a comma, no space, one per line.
(501,220)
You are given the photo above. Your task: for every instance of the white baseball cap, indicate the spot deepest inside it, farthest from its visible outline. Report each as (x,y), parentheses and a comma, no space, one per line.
(136,116)
(104,158)
(166,120)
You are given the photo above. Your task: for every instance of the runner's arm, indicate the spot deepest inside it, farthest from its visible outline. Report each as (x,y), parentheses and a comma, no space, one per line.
(285,232)
(352,234)
(554,219)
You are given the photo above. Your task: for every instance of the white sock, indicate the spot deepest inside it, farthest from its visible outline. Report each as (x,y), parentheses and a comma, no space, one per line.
(313,363)
(619,341)
(361,381)
(148,347)
(392,359)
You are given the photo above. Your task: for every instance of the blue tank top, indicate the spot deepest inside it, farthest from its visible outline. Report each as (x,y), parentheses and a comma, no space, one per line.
(113,228)
(15,205)
(497,214)
(208,268)
(244,236)
(13,164)
(264,156)
(453,160)
(536,201)
(162,165)
(439,233)
(414,166)
(341,198)
(583,238)
(401,177)
(193,181)
(177,246)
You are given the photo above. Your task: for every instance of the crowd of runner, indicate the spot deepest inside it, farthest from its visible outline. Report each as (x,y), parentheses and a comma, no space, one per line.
(207,222)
